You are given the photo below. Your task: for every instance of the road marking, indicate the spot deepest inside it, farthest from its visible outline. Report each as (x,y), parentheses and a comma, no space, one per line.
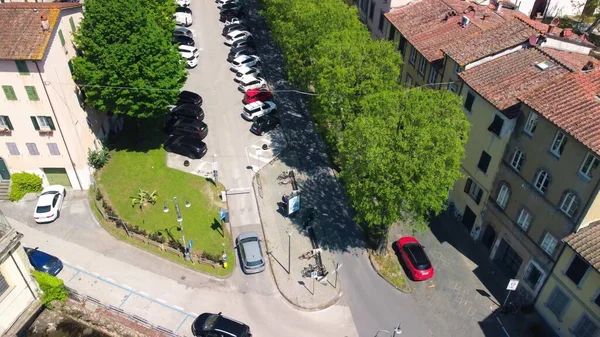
(144,294)
(193,314)
(162,301)
(126,287)
(295,114)
(108,279)
(96,274)
(77,266)
(180,324)
(177,307)
(65,262)
(125,299)
(502,325)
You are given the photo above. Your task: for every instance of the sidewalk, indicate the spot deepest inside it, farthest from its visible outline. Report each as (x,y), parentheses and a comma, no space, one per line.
(284,249)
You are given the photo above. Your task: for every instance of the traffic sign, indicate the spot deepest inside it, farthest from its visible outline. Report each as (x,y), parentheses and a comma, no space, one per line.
(190,244)
(512,284)
(313,274)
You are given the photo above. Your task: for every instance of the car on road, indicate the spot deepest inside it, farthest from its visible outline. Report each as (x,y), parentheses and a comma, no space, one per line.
(186,127)
(415,259)
(264,124)
(257,109)
(183,16)
(250,82)
(190,111)
(236,35)
(231,5)
(188,97)
(257,95)
(250,253)
(239,51)
(183,3)
(189,146)
(183,40)
(245,61)
(248,42)
(49,204)
(217,325)
(230,14)
(190,54)
(243,71)
(44,262)
(181,31)
(232,21)
(230,28)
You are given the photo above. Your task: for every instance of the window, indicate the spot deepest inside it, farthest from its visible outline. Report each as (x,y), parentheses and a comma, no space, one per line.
(42,123)
(452,87)
(533,276)
(569,204)
(371,11)
(422,65)
(531,124)
(432,75)
(558,145)
(413,56)
(381,21)
(9,92)
(402,46)
(542,180)
(12,149)
(473,190)
(503,195)
(72,22)
(558,302)
(5,123)
(53,148)
(61,37)
(32,148)
(577,269)
(589,165)
(32,93)
(496,126)
(484,161)
(585,328)
(469,101)
(549,243)
(409,81)
(22,67)
(517,160)
(456,68)
(392,33)
(524,219)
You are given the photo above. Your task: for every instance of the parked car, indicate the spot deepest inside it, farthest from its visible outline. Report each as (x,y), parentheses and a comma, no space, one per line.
(220,3)
(189,50)
(189,146)
(250,82)
(230,28)
(183,3)
(264,124)
(245,61)
(255,95)
(49,204)
(248,42)
(209,325)
(180,31)
(186,127)
(239,51)
(183,16)
(183,40)
(250,253)
(236,35)
(230,14)
(243,71)
(187,111)
(232,21)
(230,5)
(415,258)
(190,59)
(44,262)
(188,97)
(257,109)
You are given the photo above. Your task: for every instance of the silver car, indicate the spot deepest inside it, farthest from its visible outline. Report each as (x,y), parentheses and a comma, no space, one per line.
(251,256)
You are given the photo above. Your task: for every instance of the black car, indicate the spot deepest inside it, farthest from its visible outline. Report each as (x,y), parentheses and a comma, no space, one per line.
(231,5)
(189,146)
(186,127)
(248,42)
(231,28)
(188,111)
(241,50)
(209,324)
(183,10)
(188,97)
(180,31)
(229,14)
(183,40)
(264,124)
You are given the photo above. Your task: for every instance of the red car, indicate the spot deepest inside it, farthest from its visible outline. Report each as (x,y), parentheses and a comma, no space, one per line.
(256,95)
(415,259)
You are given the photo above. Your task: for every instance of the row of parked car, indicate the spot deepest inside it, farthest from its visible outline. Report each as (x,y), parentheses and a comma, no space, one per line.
(182,36)
(185,127)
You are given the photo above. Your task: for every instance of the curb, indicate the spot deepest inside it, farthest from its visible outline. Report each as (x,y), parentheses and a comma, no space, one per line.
(386,280)
(289,300)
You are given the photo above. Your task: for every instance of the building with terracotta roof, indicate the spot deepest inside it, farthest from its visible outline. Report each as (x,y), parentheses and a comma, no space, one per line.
(44,127)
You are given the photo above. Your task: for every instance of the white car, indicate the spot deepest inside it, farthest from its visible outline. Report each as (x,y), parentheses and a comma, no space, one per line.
(189,49)
(183,3)
(244,61)
(249,82)
(189,56)
(183,19)
(244,70)
(220,3)
(232,21)
(236,35)
(49,204)
(258,109)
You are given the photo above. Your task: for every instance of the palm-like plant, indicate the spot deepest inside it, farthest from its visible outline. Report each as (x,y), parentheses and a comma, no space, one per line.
(143,198)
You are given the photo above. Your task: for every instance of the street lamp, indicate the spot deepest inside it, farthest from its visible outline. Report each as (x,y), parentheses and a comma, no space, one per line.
(289,251)
(397,331)
(186,252)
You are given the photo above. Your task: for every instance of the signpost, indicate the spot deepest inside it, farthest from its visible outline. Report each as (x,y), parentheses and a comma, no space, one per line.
(314,276)
(293,204)
(190,244)
(512,285)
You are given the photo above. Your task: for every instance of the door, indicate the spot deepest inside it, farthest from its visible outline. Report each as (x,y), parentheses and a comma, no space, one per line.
(4,174)
(469,218)
(489,235)
(57,176)
(510,261)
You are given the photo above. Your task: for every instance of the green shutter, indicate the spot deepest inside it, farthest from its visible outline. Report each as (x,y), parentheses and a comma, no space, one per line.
(22,67)
(61,37)
(50,123)
(8,123)
(32,93)
(70,63)
(9,92)
(72,24)
(36,125)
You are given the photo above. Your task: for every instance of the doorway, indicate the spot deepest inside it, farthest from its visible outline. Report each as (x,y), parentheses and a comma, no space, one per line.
(489,235)
(57,176)
(4,173)
(469,218)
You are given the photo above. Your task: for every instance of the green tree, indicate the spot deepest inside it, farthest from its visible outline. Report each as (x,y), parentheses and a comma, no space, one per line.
(52,288)
(126,49)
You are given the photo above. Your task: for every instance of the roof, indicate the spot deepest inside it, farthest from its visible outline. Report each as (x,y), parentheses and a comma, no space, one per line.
(574,61)
(572,104)
(586,243)
(502,80)
(21,30)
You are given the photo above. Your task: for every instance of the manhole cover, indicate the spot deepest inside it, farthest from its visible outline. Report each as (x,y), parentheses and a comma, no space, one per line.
(186,163)
(265,146)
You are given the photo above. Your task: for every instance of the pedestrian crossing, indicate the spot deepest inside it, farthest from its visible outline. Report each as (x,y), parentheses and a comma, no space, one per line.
(267,148)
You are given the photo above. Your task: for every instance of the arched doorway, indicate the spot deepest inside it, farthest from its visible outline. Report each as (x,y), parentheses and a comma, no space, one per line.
(4,173)
(489,235)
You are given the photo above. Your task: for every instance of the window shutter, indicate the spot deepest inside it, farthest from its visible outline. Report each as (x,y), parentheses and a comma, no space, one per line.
(496,126)
(479,194)
(22,67)
(9,92)
(36,125)
(61,37)
(32,93)
(8,123)
(72,24)
(468,185)
(50,123)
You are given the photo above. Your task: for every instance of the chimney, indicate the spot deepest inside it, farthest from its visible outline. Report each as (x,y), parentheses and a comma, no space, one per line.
(45,22)
(485,15)
(499,7)
(567,32)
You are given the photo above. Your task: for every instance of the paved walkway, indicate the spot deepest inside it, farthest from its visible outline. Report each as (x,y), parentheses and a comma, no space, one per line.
(286,241)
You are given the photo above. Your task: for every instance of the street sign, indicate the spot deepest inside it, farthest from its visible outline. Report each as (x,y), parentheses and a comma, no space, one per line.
(313,274)
(512,285)
(222,214)
(293,204)
(190,244)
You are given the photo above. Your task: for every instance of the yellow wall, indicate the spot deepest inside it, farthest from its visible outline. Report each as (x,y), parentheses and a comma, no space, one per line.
(448,74)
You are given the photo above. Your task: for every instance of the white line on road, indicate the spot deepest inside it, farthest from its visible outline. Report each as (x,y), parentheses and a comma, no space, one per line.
(79,267)
(162,301)
(108,279)
(144,294)
(193,314)
(178,308)
(126,286)
(95,274)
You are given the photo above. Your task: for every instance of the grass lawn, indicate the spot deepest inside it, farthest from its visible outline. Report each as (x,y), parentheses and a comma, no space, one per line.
(389,268)
(132,168)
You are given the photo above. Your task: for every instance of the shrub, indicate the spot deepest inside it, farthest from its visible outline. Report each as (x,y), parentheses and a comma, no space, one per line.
(23,183)
(52,287)
(98,194)
(97,159)
(144,198)
(214,257)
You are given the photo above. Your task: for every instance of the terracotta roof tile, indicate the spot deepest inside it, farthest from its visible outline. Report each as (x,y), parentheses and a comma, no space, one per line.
(586,242)
(574,61)
(572,104)
(502,80)
(21,31)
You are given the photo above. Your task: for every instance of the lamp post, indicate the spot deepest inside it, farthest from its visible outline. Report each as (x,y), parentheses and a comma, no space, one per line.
(186,252)
(289,251)
(397,331)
